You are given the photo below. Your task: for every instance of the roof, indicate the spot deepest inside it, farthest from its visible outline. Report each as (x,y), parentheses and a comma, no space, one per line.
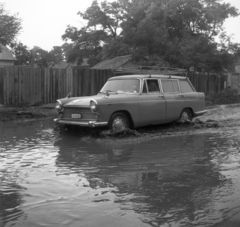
(140,76)
(6,55)
(113,63)
(151,70)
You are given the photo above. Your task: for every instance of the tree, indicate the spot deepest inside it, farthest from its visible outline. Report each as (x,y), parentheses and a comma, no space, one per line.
(10,25)
(180,32)
(86,43)
(56,55)
(103,27)
(22,54)
(108,17)
(40,57)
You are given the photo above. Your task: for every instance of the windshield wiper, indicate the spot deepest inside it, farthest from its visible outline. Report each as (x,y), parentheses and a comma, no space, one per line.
(110,91)
(107,91)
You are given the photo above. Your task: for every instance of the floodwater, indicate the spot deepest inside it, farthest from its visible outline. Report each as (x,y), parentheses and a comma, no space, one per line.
(48,178)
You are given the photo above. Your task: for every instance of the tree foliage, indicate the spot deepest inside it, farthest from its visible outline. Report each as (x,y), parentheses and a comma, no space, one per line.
(37,56)
(22,54)
(183,33)
(43,58)
(56,55)
(103,28)
(10,25)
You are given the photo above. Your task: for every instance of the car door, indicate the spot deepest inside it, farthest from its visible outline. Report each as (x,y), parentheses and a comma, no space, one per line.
(175,101)
(152,103)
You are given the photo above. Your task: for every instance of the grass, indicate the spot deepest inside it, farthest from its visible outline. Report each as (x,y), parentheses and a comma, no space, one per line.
(229,96)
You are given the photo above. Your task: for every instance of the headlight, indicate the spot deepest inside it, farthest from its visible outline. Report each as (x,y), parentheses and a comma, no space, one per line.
(59,106)
(93,106)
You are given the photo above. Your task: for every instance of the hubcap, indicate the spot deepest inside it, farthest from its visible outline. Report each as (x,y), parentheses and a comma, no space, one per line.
(119,124)
(185,116)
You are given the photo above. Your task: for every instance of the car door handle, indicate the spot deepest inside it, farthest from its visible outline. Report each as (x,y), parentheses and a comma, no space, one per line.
(181,95)
(161,96)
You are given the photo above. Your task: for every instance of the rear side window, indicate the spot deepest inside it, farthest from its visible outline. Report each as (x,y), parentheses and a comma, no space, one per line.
(167,86)
(175,86)
(185,86)
(170,86)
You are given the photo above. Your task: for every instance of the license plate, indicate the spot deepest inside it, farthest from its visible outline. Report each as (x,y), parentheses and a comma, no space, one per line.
(76,116)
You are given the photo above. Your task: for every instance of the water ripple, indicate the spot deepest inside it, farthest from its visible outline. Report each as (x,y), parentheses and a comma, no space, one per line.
(49,178)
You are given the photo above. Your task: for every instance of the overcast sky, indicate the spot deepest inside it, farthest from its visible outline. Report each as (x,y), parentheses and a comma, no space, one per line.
(45,21)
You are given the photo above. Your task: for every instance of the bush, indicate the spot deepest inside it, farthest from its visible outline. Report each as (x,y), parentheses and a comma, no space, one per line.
(228,96)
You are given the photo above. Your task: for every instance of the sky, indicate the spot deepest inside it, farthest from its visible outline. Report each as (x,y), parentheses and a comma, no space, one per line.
(45,21)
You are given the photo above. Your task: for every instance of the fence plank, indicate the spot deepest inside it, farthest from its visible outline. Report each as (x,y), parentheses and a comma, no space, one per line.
(5,86)
(1,86)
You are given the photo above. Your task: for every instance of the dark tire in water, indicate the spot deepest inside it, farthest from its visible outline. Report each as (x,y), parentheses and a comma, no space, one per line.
(186,115)
(119,122)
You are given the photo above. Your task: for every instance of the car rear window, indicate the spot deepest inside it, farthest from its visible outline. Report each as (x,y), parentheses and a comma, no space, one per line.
(185,86)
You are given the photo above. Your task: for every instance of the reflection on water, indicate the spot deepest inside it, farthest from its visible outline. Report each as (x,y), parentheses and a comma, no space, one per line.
(49,178)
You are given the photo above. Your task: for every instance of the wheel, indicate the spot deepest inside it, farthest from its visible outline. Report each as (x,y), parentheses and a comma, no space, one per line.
(119,122)
(186,115)
(68,127)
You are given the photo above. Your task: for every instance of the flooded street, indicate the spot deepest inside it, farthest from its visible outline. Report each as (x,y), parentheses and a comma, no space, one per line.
(48,178)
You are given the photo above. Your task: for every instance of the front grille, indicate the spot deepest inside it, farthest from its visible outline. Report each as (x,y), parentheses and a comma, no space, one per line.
(86,114)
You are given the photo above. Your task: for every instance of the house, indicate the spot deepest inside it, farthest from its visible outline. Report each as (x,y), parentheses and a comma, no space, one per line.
(6,57)
(117,64)
(123,65)
(237,65)
(233,78)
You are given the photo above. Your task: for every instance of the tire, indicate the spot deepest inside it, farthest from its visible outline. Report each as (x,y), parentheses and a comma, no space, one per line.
(68,127)
(186,115)
(119,122)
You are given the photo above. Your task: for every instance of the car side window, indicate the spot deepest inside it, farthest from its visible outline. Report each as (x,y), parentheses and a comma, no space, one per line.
(167,86)
(175,86)
(170,86)
(185,86)
(153,85)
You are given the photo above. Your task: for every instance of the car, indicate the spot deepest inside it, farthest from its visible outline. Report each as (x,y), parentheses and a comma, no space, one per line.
(132,101)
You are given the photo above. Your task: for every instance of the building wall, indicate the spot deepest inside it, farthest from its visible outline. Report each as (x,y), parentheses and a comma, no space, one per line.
(6,63)
(237,68)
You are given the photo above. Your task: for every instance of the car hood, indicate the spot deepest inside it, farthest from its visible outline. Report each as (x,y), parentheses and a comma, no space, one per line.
(84,101)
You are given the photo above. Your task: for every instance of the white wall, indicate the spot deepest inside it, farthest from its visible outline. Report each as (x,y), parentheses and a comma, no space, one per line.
(6,63)
(237,68)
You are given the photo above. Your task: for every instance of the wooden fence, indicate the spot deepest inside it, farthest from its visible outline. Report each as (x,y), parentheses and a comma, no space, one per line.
(208,83)
(21,86)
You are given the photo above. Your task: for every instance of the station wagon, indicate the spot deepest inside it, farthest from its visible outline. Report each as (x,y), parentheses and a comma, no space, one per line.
(134,101)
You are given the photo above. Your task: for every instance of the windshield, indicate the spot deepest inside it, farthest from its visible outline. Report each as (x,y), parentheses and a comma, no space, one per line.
(129,86)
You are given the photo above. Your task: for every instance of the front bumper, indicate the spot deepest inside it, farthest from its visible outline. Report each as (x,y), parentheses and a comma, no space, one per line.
(90,124)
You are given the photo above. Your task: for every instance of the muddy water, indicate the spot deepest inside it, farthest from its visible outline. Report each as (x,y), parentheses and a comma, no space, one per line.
(49,178)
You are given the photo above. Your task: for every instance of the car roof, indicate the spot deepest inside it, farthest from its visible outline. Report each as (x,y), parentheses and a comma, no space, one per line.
(142,76)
